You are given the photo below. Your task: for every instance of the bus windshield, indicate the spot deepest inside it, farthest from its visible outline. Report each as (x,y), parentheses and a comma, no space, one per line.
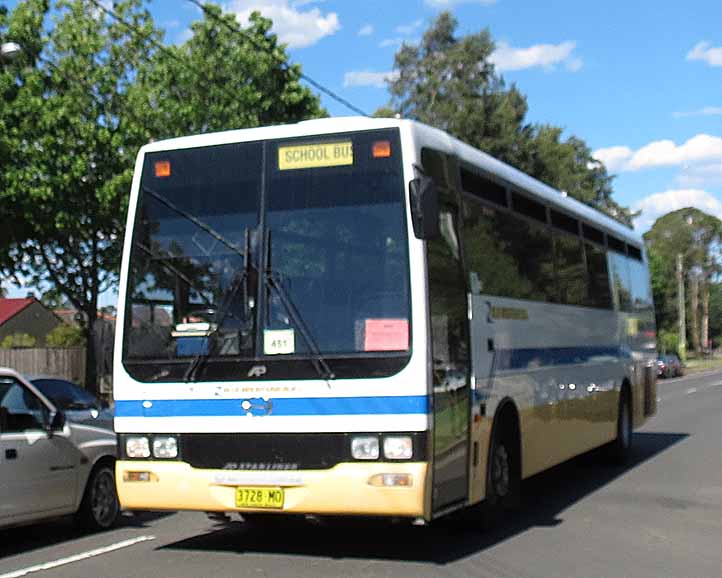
(268,250)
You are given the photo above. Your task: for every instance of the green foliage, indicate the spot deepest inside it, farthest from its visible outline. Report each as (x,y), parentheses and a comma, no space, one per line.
(74,119)
(18,341)
(667,342)
(65,335)
(221,79)
(450,83)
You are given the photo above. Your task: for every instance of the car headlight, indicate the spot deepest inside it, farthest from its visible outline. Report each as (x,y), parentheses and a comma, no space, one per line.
(398,448)
(365,447)
(137,447)
(165,447)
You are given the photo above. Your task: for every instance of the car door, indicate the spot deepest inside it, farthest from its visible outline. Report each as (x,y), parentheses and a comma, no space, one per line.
(38,468)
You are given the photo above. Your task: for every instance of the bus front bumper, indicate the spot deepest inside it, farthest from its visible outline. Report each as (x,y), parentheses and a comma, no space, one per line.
(347,488)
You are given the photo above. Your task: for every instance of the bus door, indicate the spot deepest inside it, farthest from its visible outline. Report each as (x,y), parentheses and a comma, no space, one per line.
(449,341)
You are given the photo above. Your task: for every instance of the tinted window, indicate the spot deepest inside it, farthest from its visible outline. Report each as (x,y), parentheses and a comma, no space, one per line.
(592,234)
(483,188)
(616,245)
(570,269)
(641,291)
(564,222)
(599,294)
(620,281)
(64,394)
(20,409)
(528,207)
(511,256)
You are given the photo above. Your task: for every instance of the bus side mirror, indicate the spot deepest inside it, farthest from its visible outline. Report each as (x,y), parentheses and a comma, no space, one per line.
(424,199)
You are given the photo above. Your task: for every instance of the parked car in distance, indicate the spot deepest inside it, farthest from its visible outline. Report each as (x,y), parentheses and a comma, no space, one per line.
(669,366)
(78,404)
(50,466)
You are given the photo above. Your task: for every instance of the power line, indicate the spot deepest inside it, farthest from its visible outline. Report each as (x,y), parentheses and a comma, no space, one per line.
(158,45)
(242,33)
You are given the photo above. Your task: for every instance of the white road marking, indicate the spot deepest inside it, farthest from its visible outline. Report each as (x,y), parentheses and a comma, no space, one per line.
(689,391)
(76,557)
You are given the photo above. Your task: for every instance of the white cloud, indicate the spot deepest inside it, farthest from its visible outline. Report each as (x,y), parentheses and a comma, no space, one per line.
(366,30)
(294,27)
(709,54)
(450,3)
(658,204)
(407,29)
(706,111)
(368,78)
(391,42)
(700,148)
(547,56)
(614,158)
(701,175)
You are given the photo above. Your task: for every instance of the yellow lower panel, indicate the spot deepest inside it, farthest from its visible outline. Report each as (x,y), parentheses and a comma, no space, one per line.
(343,489)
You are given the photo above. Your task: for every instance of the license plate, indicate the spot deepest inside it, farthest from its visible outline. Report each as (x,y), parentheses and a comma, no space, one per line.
(259,497)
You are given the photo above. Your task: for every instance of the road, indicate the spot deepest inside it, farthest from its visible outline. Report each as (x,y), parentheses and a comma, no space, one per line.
(660,516)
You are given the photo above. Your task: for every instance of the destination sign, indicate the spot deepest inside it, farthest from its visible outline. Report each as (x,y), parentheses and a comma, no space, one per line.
(315,155)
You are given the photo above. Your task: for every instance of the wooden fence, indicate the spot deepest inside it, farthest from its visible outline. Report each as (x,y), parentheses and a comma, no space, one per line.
(56,361)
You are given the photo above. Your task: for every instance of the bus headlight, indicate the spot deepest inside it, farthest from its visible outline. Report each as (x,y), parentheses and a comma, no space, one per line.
(137,447)
(398,448)
(365,447)
(165,447)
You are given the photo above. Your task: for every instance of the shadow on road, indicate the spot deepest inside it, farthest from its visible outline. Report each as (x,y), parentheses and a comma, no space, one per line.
(23,539)
(545,497)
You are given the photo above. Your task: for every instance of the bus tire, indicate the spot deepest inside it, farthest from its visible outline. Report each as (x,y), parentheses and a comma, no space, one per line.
(99,508)
(620,450)
(503,473)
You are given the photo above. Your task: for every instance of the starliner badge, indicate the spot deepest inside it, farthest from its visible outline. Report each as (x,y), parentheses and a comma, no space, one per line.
(257,406)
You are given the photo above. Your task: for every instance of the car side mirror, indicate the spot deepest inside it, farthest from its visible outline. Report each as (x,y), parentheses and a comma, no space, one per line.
(56,423)
(424,198)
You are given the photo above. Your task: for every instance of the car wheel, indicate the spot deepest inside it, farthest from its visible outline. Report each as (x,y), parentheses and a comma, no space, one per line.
(100,507)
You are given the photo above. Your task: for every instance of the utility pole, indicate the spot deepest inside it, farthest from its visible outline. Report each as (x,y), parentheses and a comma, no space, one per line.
(681,310)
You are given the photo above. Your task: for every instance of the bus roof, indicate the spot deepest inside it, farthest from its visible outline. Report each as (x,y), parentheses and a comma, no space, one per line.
(426,136)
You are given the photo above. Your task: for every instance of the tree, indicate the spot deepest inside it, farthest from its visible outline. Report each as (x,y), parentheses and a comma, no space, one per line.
(697,237)
(451,83)
(222,78)
(102,89)
(65,335)
(74,153)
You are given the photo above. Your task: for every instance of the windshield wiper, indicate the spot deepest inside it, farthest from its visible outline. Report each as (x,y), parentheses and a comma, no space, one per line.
(197,222)
(238,283)
(173,269)
(269,277)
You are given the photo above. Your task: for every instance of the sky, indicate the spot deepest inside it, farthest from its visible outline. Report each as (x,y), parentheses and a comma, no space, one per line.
(639,81)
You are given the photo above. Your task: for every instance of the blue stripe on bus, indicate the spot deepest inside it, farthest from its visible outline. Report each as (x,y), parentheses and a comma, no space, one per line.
(281,406)
(547,356)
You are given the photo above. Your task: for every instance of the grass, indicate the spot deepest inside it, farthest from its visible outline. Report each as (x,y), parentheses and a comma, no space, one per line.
(699,364)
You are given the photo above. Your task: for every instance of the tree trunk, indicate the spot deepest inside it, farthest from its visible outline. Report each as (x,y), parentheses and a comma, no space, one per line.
(694,310)
(705,314)
(91,357)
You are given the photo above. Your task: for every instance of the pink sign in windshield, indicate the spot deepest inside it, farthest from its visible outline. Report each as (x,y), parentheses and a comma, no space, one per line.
(386,335)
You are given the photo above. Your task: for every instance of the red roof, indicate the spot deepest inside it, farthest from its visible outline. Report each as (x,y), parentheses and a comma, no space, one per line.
(11,307)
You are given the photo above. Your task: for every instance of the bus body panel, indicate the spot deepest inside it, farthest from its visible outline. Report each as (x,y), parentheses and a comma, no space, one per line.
(556,422)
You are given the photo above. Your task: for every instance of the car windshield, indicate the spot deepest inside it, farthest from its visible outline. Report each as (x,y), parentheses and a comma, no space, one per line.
(227,238)
(66,395)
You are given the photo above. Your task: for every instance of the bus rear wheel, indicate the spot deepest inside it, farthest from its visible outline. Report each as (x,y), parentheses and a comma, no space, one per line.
(503,476)
(619,450)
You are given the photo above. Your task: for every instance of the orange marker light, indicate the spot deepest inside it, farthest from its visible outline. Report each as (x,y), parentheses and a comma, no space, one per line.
(381,149)
(162,168)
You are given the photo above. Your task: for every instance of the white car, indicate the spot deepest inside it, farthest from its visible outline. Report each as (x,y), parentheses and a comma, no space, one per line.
(50,467)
